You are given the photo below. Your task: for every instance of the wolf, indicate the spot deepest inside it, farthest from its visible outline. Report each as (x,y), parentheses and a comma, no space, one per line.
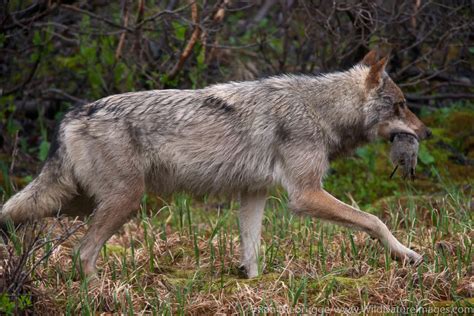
(233,138)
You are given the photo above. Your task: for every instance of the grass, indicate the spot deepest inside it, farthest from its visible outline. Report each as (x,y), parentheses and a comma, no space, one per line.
(181,256)
(169,260)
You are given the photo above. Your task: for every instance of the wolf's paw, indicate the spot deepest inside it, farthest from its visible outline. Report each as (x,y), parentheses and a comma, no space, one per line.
(93,282)
(407,255)
(414,258)
(247,272)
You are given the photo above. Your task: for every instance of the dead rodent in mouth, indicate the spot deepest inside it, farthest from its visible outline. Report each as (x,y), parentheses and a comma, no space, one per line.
(404,153)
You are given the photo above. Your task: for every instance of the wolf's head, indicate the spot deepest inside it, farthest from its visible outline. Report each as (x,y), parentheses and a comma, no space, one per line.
(386,109)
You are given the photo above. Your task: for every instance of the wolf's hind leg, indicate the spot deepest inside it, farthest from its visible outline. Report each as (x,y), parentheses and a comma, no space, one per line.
(110,214)
(322,205)
(250,222)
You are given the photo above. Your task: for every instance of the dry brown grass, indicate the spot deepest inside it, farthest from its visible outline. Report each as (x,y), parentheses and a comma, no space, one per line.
(166,262)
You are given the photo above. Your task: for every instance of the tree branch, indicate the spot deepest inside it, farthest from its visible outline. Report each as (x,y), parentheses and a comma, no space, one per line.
(192,41)
(453,96)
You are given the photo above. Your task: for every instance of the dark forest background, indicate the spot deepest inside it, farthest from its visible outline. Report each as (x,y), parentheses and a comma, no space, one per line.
(55,55)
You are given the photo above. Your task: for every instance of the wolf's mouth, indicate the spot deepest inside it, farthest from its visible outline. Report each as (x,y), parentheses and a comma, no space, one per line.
(394,134)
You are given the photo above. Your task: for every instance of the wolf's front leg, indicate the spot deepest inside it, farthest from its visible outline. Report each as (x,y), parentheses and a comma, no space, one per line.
(322,205)
(250,223)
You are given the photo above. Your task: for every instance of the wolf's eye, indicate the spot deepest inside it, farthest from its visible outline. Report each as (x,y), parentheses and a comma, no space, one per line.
(400,104)
(398,107)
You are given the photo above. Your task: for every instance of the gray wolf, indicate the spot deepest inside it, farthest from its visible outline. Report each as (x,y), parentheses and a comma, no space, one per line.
(238,137)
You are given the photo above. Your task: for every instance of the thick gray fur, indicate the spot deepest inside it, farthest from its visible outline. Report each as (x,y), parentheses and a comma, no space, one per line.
(238,138)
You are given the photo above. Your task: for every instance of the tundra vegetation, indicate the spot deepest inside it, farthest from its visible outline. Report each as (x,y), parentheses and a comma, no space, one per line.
(180,256)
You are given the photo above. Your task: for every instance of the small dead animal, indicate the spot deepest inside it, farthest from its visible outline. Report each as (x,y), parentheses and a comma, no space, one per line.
(404,153)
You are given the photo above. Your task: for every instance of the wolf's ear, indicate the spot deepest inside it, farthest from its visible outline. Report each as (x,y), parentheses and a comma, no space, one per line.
(374,77)
(370,58)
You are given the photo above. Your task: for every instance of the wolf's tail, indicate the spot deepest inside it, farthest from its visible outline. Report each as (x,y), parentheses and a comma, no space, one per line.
(43,197)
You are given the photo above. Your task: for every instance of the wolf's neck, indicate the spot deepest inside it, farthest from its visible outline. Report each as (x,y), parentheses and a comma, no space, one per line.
(345,139)
(338,101)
